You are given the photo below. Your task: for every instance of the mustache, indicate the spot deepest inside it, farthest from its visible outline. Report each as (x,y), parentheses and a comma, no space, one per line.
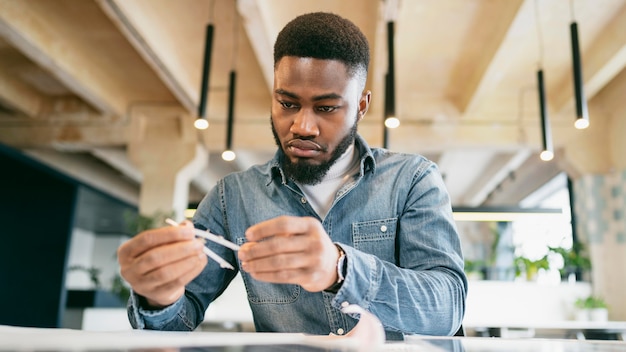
(305,143)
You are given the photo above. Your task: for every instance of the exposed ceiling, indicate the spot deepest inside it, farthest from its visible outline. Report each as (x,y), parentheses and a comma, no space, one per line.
(72,71)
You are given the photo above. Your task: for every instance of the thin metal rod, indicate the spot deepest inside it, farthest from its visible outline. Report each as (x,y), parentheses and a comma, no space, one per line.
(204,88)
(235,35)
(231,110)
(539,36)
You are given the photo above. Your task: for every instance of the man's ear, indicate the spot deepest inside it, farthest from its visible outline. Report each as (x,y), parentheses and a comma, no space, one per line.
(364,103)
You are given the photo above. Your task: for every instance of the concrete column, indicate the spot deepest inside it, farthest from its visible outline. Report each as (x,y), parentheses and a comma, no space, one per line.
(163,145)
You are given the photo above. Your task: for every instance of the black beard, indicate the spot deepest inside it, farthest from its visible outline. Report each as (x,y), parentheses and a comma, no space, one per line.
(306,173)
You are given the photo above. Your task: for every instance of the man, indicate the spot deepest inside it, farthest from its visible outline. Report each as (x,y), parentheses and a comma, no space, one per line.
(327,221)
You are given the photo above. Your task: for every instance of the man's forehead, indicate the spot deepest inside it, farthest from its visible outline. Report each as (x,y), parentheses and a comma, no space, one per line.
(311,61)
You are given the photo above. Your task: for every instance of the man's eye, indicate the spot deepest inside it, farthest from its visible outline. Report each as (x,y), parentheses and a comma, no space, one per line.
(287,105)
(327,108)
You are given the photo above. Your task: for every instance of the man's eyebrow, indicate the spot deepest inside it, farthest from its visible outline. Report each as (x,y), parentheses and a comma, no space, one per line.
(327,96)
(280,91)
(284,92)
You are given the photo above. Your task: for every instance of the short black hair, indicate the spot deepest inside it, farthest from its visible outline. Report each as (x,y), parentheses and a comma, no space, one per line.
(326,36)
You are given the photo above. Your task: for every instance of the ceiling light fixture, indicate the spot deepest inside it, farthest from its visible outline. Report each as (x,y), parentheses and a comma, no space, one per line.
(499,214)
(201,121)
(229,154)
(547,153)
(391,120)
(582,113)
(385,128)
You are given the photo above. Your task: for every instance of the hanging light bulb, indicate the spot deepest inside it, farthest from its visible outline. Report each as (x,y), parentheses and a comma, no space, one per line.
(392,122)
(201,123)
(546,155)
(228,155)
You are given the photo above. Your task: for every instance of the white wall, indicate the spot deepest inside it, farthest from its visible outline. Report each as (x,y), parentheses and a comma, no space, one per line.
(92,251)
(501,303)
(81,249)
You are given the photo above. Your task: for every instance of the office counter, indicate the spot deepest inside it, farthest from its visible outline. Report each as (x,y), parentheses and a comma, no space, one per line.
(50,340)
(569,328)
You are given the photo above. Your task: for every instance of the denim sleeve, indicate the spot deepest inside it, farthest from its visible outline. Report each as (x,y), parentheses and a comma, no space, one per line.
(424,292)
(163,319)
(188,311)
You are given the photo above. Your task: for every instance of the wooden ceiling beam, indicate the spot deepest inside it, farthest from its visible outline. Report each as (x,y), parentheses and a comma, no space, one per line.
(500,167)
(143,39)
(529,176)
(409,137)
(98,65)
(19,95)
(63,136)
(258,34)
(28,30)
(483,57)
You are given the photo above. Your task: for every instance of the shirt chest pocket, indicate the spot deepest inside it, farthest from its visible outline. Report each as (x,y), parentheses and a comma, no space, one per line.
(267,293)
(377,237)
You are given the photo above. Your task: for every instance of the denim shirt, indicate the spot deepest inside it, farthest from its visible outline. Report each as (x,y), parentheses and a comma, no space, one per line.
(394,222)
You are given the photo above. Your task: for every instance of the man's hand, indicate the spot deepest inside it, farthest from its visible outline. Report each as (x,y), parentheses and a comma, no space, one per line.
(289,249)
(159,263)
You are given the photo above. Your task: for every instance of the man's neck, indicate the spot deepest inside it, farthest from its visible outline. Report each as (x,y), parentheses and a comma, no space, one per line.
(322,195)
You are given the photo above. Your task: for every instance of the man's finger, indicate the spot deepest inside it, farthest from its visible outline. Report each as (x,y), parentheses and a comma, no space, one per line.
(280,262)
(153,238)
(280,226)
(168,277)
(273,246)
(165,255)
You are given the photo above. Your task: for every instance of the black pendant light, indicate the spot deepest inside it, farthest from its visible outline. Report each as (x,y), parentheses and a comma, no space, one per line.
(547,153)
(229,154)
(582,113)
(391,120)
(201,122)
(385,128)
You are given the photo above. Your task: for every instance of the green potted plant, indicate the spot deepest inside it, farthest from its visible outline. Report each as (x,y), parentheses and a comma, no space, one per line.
(591,308)
(575,260)
(474,269)
(529,267)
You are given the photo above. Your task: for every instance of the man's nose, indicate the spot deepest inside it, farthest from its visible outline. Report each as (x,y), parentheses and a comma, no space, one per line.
(305,124)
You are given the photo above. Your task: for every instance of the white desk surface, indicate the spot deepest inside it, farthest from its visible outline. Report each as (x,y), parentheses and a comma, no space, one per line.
(44,339)
(559,325)
(35,339)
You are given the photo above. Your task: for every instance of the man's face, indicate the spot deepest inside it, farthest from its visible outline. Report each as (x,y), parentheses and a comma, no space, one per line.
(316,106)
